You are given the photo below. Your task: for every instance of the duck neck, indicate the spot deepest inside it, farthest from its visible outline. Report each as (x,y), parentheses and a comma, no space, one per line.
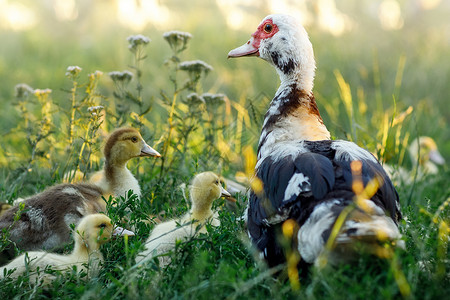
(292,115)
(201,210)
(298,76)
(85,248)
(114,171)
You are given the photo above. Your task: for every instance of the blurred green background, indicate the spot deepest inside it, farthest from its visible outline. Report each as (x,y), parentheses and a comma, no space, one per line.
(383,49)
(383,78)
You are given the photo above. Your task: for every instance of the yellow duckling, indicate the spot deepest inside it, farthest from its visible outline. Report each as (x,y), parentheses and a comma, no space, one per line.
(4,207)
(92,231)
(425,158)
(121,146)
(204,189)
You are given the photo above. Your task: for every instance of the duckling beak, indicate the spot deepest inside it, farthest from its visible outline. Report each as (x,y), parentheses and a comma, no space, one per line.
(436,157)
(149,151)
(224,193)
(122,231)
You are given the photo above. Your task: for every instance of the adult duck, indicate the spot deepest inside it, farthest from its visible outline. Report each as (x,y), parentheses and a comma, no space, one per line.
(305,176)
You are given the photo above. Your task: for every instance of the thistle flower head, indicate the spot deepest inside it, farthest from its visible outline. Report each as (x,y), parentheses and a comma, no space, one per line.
(134,41)
(177,40)
(23,90)
(195,67)
(123,77)
(73,71)
(195,99)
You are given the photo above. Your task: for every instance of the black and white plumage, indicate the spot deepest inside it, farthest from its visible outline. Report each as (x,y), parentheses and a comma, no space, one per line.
(306,176)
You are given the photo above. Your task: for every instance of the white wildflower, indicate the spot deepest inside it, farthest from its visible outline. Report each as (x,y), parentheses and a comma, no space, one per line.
(123,77)
(40,92)
(73,71)
(97,74)
(94,109)
(195,99)
(177,40)
(135,41)
(23,90)
(195,68)
(177,35)
(214,99)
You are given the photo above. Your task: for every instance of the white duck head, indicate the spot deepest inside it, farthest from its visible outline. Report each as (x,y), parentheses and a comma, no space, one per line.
(283,42)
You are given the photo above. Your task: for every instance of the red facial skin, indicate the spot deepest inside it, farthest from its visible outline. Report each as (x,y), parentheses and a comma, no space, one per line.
(261,34)
(251,48)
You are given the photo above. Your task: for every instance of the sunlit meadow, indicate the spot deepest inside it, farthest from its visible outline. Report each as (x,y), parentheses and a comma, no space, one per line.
(73,70)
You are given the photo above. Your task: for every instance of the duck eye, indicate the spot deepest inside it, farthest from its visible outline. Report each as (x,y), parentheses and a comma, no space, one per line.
(103,225)
(217,182)
(134,139)
(268,28)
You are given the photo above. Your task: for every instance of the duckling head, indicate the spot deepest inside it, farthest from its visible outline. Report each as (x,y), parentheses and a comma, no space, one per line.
(94,230)
(124,144)
(4,207)
(424,150)
(205,188)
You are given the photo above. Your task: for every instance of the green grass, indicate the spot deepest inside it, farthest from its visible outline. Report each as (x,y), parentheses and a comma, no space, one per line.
(365,80)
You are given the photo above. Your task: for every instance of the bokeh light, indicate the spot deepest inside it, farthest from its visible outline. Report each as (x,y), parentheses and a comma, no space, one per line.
(16,16)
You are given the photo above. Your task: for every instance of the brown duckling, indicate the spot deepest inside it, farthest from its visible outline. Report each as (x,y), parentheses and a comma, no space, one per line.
(45,220)
(121,146)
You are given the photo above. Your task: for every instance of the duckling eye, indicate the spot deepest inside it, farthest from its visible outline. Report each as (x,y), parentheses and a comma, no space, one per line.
(134,139)
(268,28)
(217,182)
(103,225)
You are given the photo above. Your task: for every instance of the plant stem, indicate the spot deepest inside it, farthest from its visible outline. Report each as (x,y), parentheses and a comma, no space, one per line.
(169,135)
(72,112)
